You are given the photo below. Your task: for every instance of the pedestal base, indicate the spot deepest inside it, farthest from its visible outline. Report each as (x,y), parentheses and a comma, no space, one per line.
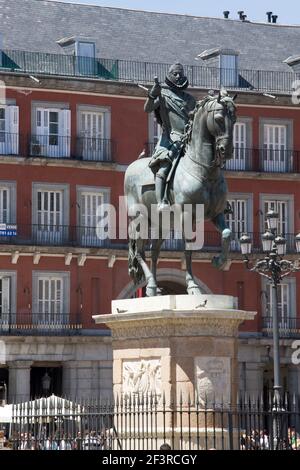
(181,352)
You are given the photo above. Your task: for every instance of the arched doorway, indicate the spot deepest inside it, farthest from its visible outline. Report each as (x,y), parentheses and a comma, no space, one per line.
(170,281)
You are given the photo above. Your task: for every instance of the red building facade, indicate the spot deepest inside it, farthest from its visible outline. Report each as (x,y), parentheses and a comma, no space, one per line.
(65,143)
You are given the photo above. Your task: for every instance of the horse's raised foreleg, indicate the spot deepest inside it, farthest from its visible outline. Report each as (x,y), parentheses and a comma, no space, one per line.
(220,261)
(155,250)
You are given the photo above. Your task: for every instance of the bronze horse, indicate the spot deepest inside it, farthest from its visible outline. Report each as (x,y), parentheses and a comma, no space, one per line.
(198,180)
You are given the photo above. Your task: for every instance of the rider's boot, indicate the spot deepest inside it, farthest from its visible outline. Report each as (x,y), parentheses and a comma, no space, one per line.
(162,202)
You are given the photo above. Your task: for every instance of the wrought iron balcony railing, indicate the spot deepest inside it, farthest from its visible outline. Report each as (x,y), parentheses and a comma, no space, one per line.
(287,326)
(56,324)
(84,236)
(256,159)
(136,71)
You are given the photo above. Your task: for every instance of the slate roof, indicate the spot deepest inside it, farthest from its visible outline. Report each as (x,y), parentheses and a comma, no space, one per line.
(36,25)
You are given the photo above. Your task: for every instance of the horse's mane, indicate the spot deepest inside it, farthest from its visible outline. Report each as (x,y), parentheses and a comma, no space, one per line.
(209,99)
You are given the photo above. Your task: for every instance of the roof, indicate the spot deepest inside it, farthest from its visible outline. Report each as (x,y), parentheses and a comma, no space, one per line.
(37,25)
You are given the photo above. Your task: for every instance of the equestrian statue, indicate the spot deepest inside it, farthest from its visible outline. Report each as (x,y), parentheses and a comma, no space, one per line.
(185,169)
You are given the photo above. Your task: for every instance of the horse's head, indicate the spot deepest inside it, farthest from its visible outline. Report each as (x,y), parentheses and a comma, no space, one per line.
(221,117)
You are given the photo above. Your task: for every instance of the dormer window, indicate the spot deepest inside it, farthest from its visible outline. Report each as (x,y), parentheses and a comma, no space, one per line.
(85,50)
(226,60)
(293,62)
(228,70)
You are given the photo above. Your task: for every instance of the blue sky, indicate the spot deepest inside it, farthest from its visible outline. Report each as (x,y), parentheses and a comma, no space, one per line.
(288,11)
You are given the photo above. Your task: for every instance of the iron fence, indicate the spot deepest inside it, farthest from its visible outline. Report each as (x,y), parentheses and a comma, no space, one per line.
(137,71)
(287,326)
(145,423)
(88,236)
(40,323)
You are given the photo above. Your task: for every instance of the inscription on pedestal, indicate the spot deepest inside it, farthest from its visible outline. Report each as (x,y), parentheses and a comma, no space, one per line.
(213,380)
(142,378)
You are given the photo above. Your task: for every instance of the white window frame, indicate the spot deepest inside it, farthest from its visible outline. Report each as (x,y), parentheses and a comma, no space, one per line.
(61,317)
(8,317)
(278,160)
(9,144)
(100,150)
(242,156)
(285,319)
(247,198)
(58,232)
(228,64)
(86,64)
(287,198)
(11,188)
(40,144)
(87,235)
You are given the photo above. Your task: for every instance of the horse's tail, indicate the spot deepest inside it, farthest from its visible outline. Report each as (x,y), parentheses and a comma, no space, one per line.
(134,267)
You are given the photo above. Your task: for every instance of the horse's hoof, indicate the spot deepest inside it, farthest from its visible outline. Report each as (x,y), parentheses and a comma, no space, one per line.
(193,290)
(151,291)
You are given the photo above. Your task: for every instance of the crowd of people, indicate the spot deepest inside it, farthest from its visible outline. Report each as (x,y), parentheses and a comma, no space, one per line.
(261,440)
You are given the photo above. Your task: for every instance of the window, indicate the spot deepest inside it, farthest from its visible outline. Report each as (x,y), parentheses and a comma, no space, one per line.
(50,213)
(7,202)
(50,298)
(238,221)
(7,299)
(9,130)
(87,64)
(228,70)
(89,199)
(94,133)
(53,133)
(241,151)
(286,304)
(284,205)
(282,208)
(275,147)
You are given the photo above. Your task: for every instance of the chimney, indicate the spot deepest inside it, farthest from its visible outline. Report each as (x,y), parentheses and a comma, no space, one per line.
(274,18)
(240,13)
(244,17)
(269,14)
(226,14)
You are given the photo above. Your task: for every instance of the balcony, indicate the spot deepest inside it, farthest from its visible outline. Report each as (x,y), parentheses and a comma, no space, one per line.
(56,146)
(288,327)
(31,324)
(135,71)
(66,235)
(256,159)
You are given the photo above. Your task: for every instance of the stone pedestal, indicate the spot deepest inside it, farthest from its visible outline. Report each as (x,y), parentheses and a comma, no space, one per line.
(181,349)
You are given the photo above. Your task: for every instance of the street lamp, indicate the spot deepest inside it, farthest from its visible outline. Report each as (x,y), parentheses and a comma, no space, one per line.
(274,268)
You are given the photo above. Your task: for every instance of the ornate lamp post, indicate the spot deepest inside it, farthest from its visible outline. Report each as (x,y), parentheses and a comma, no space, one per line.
(274,268)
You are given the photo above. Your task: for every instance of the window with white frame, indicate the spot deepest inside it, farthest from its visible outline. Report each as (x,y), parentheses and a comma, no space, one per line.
(7,202)
(238,161)
(238,220)
(275,147)
(286,301)
(53,133)
(51,297)
(9,130)
(228,70)
(89,202)
(50,212)
(94,133)
(7,298)
(86,63)
(282,208)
